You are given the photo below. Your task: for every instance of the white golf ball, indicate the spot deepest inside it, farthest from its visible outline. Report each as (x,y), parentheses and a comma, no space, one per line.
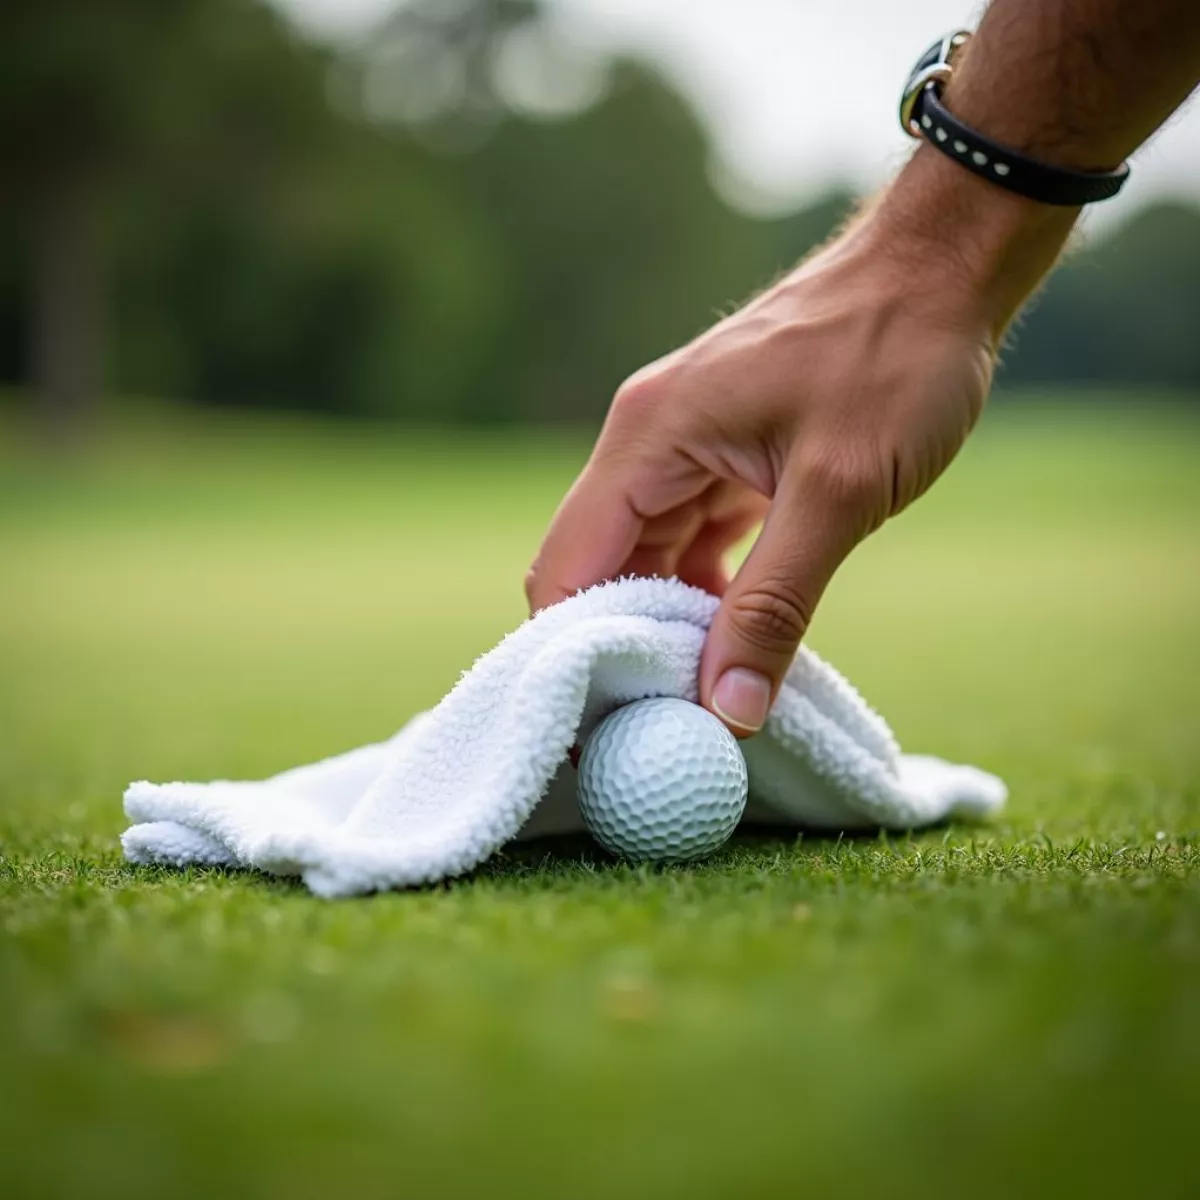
(662,780)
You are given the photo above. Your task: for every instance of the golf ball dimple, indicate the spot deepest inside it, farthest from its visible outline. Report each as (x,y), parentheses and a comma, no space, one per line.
(662,780)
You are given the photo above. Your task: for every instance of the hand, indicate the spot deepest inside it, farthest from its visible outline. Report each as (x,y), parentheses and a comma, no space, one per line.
(825,406)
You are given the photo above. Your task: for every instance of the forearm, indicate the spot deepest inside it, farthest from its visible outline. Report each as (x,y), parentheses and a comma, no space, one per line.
(1078,83)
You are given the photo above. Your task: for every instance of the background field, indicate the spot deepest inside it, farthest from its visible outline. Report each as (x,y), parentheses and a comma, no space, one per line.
(999,1011)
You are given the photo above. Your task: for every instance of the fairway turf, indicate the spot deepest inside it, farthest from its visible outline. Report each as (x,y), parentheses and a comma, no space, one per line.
(997,1011)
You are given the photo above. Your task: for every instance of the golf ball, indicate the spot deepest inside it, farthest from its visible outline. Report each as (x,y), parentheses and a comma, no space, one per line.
(661,780)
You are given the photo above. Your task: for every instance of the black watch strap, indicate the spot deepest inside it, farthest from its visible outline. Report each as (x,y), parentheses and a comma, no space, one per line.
(1007,167)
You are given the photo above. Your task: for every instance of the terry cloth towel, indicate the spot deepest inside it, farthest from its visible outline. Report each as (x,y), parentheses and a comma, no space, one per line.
(489,763)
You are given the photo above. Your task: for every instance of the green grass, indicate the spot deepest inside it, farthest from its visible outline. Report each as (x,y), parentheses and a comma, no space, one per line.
(999,1011)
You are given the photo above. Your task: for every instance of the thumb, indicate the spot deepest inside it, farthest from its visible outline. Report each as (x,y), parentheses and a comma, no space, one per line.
(767,608)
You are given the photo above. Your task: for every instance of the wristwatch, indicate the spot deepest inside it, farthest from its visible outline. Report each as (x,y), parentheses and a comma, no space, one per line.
(922,114)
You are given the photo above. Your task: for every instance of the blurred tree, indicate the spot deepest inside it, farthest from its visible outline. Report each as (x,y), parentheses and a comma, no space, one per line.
(619,248)
(96,94)
(1124,309)
(454,262)
(432,65)
(593,185)
(366,289)
(469,220)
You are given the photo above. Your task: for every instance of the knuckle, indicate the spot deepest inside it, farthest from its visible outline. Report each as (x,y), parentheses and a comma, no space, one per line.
(638,395)
(771,617)
(844,482)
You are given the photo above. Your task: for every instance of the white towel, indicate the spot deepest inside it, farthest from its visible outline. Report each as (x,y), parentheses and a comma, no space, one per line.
(489,763)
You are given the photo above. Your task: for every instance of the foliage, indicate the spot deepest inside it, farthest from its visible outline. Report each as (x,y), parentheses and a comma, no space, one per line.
(1122,311)
(389,231)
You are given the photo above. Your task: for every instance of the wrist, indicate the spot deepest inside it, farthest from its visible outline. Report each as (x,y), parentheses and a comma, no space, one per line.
(983,249)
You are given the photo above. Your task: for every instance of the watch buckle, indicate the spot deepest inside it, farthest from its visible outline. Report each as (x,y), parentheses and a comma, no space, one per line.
(935,66)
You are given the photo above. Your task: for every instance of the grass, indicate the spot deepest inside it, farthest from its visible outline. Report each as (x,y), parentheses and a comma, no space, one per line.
(1002,1011)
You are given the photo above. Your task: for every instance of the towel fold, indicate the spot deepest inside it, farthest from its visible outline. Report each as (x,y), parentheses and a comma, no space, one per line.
(489,763)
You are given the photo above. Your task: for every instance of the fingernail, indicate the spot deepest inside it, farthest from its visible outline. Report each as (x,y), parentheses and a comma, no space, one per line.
(742,698)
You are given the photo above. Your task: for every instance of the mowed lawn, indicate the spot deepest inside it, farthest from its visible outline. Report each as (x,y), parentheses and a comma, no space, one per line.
(1000,1011)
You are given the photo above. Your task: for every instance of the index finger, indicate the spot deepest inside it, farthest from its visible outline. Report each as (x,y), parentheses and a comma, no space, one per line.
(591,537)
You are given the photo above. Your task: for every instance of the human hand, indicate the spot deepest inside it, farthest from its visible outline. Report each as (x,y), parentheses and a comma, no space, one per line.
(825,406)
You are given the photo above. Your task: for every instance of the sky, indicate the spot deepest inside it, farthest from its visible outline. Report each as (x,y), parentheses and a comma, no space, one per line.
(768,77)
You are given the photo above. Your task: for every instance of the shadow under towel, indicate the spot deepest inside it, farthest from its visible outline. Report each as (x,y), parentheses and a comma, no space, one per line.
(489,763)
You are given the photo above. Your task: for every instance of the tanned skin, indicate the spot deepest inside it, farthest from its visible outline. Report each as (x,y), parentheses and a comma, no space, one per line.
(836,398)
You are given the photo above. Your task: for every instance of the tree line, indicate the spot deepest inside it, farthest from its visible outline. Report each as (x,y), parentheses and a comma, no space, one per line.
(204,205)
